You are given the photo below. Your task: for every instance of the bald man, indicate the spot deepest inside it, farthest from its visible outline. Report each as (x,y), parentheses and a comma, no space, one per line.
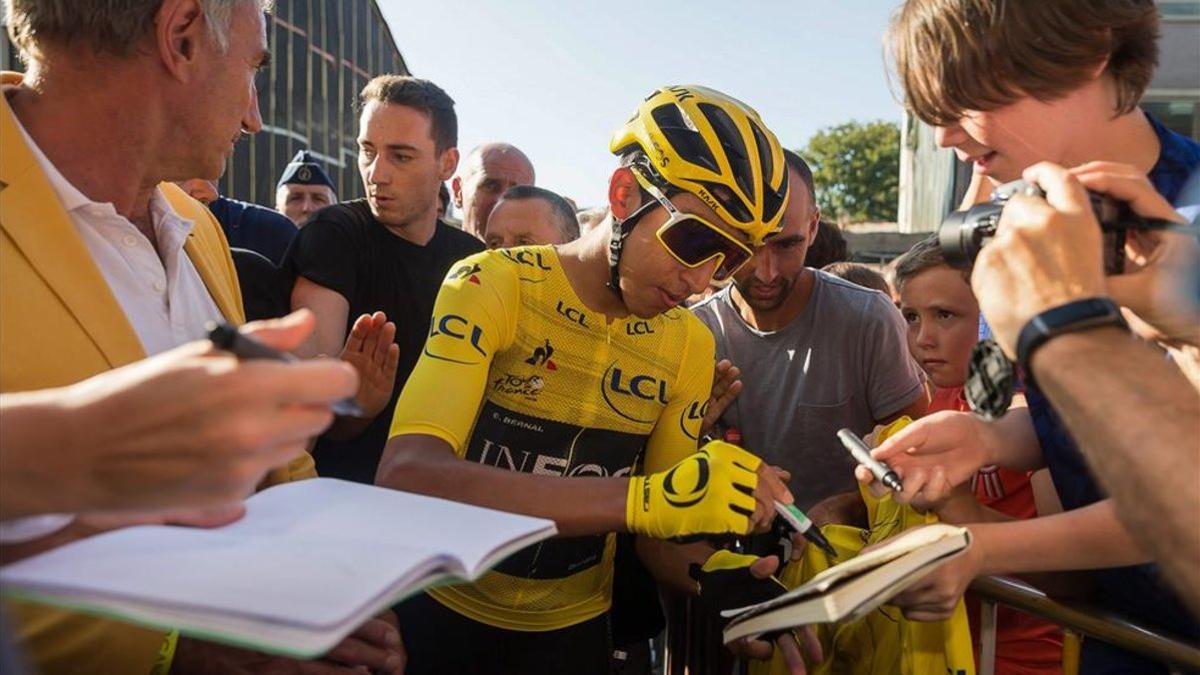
(486,173)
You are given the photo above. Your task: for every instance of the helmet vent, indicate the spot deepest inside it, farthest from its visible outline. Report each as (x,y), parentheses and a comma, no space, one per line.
(683,137)
(731,141)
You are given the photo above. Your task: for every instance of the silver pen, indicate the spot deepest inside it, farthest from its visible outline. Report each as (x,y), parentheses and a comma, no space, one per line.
(862,454)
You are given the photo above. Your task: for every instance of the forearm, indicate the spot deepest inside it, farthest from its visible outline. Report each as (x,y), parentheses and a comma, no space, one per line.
(668,562)
(1137,421)
(1096,540)
(32,433)
(578,506)
(1012,443)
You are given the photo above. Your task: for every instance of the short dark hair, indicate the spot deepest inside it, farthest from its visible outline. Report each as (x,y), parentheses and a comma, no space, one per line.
(418,94)
(568,224)
(924,255)
(829,246)
(797,164)
(859,274)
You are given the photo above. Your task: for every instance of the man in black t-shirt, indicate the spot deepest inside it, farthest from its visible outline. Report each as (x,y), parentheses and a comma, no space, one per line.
(388,252)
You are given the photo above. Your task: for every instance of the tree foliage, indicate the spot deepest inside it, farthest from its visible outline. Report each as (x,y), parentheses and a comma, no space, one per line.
(856,168)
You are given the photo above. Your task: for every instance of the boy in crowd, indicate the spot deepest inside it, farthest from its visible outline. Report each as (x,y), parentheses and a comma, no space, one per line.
(943,320)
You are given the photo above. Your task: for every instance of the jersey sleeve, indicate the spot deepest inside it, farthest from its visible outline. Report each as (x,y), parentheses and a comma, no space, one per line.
(474,317)
(677,433)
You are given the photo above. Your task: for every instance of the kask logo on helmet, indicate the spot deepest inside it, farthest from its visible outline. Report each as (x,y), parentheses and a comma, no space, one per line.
(455,339)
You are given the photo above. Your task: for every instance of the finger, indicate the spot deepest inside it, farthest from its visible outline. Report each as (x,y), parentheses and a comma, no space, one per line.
(387,338)
(362,650)
(358,334)
(791,654)
(811,644)
(758,650)
(208,518)
(1133,188)
(784,474)
(284,334)
(912,437)
(1063,191)
(392,363)
(314,381)
(275,426)
(775,488)
(913,483)
(764,567)
(799,543)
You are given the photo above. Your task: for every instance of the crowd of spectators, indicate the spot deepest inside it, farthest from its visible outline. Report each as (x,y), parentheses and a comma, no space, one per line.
(745,334)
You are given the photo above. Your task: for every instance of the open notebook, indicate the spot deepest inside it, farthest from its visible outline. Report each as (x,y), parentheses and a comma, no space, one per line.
(855,587)
(309,563)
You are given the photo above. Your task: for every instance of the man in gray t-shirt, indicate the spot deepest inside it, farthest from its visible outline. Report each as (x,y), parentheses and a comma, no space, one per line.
(816,353)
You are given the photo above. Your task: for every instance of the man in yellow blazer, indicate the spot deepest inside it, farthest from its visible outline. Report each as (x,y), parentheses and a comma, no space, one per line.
(102,262)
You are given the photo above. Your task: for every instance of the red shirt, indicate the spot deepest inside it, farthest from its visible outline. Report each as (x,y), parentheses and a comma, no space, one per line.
(1025,645)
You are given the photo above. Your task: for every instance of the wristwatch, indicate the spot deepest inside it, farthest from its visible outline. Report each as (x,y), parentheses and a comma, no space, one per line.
(1069,318)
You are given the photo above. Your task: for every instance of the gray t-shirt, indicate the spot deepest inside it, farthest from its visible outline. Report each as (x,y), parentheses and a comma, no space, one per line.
(843,362)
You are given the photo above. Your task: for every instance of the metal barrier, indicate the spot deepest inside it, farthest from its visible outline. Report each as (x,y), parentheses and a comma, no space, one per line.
(1078,622)
(693,643)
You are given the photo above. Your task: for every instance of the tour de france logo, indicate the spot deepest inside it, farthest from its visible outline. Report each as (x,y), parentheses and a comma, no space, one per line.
(687,482)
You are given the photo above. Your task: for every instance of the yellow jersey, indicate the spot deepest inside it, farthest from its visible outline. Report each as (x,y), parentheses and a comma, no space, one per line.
(519,375)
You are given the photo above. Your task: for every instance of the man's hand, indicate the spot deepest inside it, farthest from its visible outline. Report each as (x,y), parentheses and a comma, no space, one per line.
(726,387)
(722,489)
(1158,261)
(375,647)
(935,597)
(1045,253)
(191,427)
(371,348)
(932,455)
(729,580)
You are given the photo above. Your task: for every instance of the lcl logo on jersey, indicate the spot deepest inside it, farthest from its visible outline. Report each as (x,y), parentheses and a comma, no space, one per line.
(691,419)
(638,328)
(461,333)
(627,394)
(471,272)
(573,315)
(525,257)
(687,482)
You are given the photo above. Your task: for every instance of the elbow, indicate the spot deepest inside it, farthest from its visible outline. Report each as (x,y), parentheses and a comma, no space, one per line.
(407,463)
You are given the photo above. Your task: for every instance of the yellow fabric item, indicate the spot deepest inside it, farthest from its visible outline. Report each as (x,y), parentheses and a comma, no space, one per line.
(59,324)
(883,642)
(706,493)
(518,374)
(727,560)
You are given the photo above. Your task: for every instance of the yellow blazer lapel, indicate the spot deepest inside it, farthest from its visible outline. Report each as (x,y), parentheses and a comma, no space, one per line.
(209,252)
(34,219)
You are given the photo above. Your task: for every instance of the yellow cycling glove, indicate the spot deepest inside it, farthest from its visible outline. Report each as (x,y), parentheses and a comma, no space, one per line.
(710,492)
(725,582)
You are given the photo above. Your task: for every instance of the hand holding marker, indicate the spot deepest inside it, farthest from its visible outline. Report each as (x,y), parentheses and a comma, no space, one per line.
(862,454)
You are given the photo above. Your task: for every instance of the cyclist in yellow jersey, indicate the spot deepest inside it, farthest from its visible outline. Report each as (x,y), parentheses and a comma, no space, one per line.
(554,370)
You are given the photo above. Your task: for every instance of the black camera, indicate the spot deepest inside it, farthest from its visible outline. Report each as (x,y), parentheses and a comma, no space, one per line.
(964,233)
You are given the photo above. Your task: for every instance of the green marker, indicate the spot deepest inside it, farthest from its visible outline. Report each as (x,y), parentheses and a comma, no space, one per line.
(799,522)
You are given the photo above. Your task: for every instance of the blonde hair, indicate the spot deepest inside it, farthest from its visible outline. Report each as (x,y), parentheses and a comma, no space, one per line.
(952,56)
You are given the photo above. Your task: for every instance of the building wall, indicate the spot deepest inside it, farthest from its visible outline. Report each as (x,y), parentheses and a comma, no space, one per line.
(323,52)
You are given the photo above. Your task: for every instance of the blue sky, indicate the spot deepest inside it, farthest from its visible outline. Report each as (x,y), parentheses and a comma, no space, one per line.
(556,78)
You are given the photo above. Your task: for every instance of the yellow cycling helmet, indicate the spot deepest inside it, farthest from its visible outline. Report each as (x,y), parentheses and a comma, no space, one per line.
(713,146)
